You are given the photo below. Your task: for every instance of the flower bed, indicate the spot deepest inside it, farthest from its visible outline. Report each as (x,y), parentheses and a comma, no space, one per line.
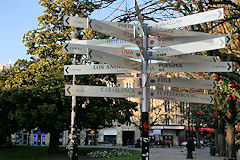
(109,153)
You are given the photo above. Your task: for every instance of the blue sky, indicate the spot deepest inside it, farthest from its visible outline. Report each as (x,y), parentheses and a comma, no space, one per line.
(19,16)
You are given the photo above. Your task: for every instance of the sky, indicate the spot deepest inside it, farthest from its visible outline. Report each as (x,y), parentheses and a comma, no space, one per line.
(19,16)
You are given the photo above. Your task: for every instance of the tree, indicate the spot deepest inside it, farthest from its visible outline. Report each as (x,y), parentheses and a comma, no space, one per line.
(40,81)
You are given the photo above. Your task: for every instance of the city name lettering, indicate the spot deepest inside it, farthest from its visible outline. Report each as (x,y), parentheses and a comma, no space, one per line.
(169,22)
(163,39)
(75,48)
(121,90)
(78,21)
(126,51)
(161,79)
(116,41)
(175,94)
(123,25)
(127,33)
(160,55)
(170,65)
(107,67)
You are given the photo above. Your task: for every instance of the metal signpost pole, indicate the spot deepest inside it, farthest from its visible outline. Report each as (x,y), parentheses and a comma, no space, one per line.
(73,155)
(73,150)
(189,142)
(145,124)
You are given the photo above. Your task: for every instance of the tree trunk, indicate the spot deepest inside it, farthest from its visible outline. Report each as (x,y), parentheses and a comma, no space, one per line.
(221,138)
(198,140)
(230,141)
(54,141)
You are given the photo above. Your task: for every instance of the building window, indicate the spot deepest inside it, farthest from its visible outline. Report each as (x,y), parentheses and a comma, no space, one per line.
(166,106)
(128,123)
(182,104)
(167,121)
(182,121)
(128,85)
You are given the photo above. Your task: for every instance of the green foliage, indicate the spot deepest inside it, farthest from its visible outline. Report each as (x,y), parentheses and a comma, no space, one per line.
(32,91)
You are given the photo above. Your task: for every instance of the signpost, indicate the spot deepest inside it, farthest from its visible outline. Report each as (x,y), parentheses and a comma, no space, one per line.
(102,91)
(182,83)
(199,46)
(120,52)
(180,43)
(116,43)
(182,96)
(192,67)
(193,19)
(175,40)
(114,60)
(122,31)
(190,58)
(159,54)
(95,69)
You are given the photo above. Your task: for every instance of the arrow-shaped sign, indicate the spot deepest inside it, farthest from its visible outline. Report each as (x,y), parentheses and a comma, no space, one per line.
(181,96)
(193,19)
(228,39)
(175,40)
(199,46)
(190,58)
(180,33)
(122,31)
(182,83)
(75,46)
(229,66)
(95,69)
(192,67)
(121,52)
(68,89)
(102,91)
(101,56)
(66,70)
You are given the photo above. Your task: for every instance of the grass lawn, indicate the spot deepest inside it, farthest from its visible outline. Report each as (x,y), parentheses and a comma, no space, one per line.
(40,153)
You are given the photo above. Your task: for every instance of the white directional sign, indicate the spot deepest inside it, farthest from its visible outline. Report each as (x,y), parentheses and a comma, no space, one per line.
(79,47)
(192,67)
(95,69)
(190,58)
(102,91)
(182,83)
(198,18)
(199,46)
(175,40)
(100,56)
(181,96)
(122,31)
(72,47)
(176,33)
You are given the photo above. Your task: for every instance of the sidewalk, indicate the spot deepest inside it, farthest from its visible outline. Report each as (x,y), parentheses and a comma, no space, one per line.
(176,153)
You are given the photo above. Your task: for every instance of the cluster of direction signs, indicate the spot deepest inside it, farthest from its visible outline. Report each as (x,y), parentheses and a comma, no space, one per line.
(172,54)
